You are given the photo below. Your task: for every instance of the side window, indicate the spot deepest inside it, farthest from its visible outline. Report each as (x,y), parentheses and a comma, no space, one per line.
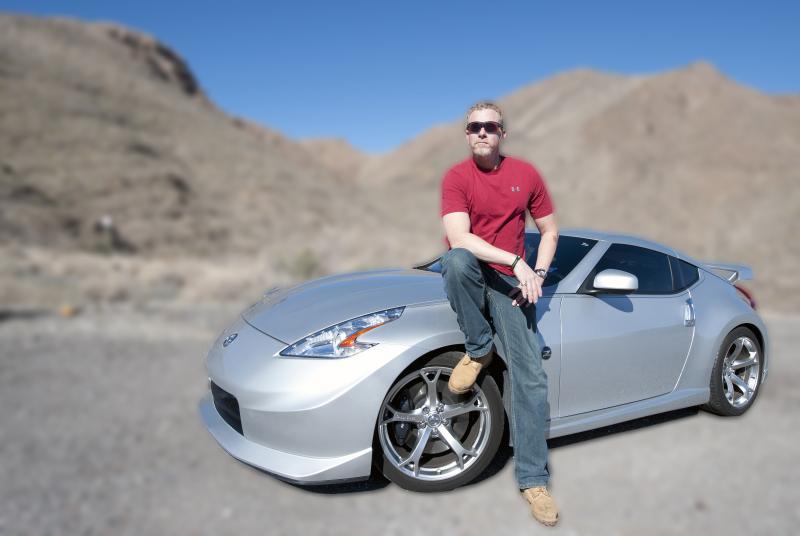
(685,274)
(650,267)
(569,252)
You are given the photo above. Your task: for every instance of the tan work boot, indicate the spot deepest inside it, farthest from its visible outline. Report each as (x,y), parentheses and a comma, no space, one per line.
(543,506)
(466,372)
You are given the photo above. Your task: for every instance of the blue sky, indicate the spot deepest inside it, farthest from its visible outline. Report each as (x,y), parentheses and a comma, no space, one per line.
(379,73)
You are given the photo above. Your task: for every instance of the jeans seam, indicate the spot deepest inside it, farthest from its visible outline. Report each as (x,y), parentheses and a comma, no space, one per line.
(512,419)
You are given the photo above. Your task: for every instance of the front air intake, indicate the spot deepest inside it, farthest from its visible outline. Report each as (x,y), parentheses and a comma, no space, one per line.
(227,407)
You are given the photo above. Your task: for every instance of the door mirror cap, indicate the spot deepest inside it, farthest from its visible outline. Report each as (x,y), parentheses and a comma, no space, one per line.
(612,280)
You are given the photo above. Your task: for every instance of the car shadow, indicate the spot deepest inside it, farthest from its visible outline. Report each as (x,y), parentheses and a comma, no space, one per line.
(375,482)
(506,452)
(636,424)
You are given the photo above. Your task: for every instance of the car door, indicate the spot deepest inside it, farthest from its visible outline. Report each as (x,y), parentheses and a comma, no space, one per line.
(548,334)
(621,348)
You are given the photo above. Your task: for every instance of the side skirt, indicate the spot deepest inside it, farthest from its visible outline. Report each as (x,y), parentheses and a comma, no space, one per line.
(582,422)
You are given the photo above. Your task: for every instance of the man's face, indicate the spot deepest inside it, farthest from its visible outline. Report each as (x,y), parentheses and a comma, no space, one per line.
(482,143)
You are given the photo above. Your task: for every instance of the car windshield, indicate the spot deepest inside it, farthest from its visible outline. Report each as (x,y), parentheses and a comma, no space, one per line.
(569,252)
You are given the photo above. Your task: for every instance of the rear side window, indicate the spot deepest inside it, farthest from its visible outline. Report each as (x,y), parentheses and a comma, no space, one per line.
(569,252)
(684,274)
(650,267)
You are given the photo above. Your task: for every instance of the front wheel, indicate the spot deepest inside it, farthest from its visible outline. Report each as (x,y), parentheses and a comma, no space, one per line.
(433,440)
(736,375)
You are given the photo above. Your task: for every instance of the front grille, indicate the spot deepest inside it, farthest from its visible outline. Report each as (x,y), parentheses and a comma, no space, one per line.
(227,406)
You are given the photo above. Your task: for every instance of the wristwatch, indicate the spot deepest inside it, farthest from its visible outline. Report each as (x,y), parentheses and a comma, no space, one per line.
(541,272)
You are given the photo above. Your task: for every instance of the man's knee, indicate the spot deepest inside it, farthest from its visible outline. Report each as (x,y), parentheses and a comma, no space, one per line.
(459,261)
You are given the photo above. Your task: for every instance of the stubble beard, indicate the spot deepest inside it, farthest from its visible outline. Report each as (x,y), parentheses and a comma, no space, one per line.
(485,156)
(481,151)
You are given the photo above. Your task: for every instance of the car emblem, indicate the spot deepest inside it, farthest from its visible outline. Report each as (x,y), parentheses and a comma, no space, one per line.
(229,339)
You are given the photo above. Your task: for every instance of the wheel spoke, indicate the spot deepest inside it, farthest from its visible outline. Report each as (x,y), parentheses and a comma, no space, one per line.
(741,384)
(433,397)
(456,446)
(416,453)
(454,410)
(729,391)
(737,348)
(736,365)
(400,416)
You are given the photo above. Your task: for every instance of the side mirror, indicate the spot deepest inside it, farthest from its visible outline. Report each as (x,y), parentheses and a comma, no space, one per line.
(615,281)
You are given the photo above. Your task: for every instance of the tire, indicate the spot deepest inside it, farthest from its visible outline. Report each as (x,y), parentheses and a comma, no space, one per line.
(417,438)
(736,376)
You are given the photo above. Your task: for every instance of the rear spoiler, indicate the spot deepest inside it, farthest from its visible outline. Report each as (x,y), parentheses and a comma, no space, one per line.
(730,272)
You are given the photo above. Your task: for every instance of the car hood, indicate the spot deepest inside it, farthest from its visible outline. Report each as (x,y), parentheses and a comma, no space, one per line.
(290,314)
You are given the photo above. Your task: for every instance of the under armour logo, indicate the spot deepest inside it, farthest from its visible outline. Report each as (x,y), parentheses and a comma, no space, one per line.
(515,188)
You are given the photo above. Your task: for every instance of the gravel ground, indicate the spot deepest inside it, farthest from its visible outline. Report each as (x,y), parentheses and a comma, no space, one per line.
(100,435)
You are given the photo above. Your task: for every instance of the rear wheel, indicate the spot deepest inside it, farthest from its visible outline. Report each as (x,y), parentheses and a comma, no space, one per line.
(433,440)
(736,375)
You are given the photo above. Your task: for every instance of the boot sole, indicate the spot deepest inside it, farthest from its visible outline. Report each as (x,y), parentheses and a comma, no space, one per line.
(546,523)
(461,392)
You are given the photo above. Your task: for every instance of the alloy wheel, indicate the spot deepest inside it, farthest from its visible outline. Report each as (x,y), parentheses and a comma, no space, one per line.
(740,371)
(428,433)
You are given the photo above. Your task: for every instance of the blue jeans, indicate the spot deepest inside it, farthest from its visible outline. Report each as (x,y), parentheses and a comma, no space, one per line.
(479,296)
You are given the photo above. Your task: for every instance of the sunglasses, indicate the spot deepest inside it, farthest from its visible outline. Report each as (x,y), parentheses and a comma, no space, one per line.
(490,127)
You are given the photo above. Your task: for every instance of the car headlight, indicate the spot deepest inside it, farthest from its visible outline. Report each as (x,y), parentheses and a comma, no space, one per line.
(341,340)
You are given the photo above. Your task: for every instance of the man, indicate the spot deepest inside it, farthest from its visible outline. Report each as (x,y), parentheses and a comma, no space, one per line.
(484,200)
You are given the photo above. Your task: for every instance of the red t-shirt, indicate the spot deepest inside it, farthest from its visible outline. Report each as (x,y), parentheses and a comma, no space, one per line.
(496,202)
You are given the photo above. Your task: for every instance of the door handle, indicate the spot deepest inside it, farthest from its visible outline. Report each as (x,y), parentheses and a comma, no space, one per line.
(546,352)
(688,313)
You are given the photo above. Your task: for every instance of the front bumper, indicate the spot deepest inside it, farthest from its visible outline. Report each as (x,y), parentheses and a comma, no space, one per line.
(286,466)
(308,421)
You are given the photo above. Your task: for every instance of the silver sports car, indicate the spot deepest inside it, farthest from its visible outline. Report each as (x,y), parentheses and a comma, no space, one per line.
(319,382)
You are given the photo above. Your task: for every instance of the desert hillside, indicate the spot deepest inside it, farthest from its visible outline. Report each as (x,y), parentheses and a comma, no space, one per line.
(121,180)
(97,120)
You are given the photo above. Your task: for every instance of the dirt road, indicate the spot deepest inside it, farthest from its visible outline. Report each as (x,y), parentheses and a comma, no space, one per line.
(100,435)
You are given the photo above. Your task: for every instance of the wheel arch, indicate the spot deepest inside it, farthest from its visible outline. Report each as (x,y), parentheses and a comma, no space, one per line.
(761,342)
(732,325)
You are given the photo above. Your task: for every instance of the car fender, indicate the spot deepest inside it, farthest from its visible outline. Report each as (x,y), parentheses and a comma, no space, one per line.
(718,310)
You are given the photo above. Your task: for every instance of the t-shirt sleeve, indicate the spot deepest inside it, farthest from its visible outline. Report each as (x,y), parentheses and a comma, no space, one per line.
(540,204)
(454,194)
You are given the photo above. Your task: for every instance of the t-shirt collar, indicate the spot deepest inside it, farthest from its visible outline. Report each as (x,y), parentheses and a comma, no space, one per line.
(496,170)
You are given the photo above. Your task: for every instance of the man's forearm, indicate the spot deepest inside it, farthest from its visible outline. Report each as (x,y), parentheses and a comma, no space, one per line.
(489,253)
(547,249)
(484,251)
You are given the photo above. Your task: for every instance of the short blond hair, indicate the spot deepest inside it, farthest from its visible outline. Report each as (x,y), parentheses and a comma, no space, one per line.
(485,105)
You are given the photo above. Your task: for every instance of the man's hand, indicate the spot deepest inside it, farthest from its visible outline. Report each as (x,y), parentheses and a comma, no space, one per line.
(529,283)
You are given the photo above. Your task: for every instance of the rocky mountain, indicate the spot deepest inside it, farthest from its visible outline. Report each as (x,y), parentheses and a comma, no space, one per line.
(119,178)
(104,127)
